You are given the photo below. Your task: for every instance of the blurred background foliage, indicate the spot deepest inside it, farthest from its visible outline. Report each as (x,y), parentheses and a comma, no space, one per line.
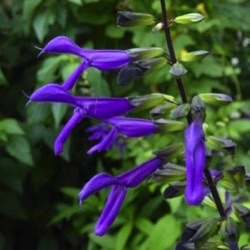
(38,191)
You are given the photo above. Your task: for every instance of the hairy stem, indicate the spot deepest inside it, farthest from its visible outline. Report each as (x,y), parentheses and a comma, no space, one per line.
(180,86)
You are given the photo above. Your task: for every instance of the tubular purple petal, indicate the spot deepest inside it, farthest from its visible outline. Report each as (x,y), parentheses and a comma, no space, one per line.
(104,108)
(53,93)
(195,153)
(134,177)
(67,129)
(107,59)
(61,45)
(97,183)
(133,127)
(111,209)
(106,143)
(73,77)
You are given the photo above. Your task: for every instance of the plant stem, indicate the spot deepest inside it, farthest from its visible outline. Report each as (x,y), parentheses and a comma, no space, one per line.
(180,85)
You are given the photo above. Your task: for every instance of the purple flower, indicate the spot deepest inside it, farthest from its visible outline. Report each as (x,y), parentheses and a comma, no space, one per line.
(120,184)
(195,153)
(101,59)
(98,108)
(130,127)
(95,107)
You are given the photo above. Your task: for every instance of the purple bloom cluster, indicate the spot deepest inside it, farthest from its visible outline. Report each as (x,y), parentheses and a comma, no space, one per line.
(114,125)
(110,112)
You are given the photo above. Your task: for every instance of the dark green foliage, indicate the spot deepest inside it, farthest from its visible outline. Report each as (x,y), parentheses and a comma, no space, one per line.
(39,209)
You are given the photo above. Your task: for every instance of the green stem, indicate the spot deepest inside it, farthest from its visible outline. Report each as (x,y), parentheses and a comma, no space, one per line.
(183,95)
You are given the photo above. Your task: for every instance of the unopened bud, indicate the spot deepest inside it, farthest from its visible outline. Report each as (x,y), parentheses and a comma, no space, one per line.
(215,99)
(194,56)
(189,18)
(145,53)
(158,27)
(131,19)
(149,101)
(177,70)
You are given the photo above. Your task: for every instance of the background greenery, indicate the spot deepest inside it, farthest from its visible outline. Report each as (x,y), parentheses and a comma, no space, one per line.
(38,191)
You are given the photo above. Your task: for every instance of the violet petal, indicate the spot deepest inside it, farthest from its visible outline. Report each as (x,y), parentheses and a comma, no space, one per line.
(111,209)
(133,127)
(67,129)
(106,143)
(61,45)
(97,183)
(53,93)
(73,77)
(135,176)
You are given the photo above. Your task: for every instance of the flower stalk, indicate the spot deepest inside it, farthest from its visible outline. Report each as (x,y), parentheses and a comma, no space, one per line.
(180,86)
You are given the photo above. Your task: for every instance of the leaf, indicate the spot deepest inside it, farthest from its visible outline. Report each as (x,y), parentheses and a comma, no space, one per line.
(77,2)
(10,126)
(29,7)
(10,205)
(114,32)
(12,174)
(159,238)
(144,225)
(99,87)
(58,110)
(19,148)
(106,242)
(122,236)
(41,23)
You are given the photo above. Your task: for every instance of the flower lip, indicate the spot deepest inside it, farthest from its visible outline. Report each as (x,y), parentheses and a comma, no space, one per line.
(53,93)
(60,45)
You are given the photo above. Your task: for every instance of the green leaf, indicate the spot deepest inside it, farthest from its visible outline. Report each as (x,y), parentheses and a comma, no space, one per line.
(158,239)
(3,80)
(114,32)
(19,148)
(58,110)
(41,23)
(29,7)
(123,235)
(99,87)
(10,126)
(144,225)
(77,2)
(106,242)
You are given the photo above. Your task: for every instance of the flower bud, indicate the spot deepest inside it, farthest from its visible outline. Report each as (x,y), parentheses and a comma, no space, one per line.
(174,190)
(189,18)
(162,110)
(145,53)
(171,151)
(194,56)
(177,70)
(221,144)
(131,19)
(158,27)
(181,111)
(215,99)
(166,125)
(242,213)
(148,101)
(169,172)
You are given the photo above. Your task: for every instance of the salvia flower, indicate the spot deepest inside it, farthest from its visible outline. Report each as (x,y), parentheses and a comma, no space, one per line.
(101,59)
(195,153)
(130,127)
(98,108)
(119,184)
